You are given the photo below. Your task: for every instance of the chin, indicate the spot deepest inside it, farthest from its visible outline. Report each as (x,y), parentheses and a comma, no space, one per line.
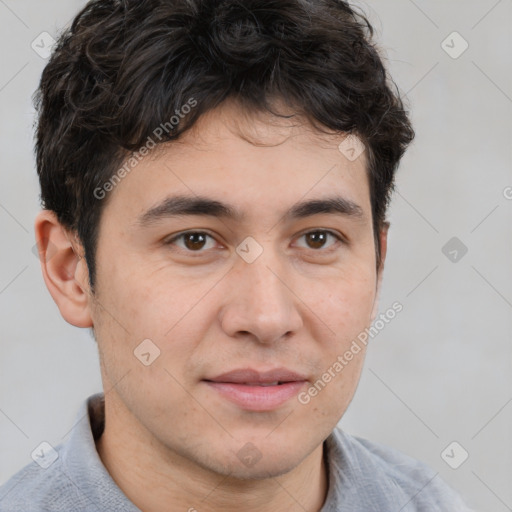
(250,464)
(261,471)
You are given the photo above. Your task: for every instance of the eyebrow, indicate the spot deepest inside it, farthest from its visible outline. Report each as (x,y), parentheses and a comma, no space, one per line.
(334,205)
(176,206)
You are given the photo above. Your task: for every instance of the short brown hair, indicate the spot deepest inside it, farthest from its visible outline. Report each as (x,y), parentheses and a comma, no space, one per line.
(124,67)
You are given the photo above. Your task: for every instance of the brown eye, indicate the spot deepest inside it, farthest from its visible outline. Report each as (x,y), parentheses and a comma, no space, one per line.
(193,241)
(320,239)
(316,239)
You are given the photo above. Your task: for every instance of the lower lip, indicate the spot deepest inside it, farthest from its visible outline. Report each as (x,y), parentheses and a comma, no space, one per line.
(257,398)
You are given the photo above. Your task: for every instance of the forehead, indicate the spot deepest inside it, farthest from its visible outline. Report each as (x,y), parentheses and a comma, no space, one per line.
(255,162)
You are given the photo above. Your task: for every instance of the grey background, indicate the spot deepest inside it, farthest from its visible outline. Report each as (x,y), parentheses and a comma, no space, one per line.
(441,370)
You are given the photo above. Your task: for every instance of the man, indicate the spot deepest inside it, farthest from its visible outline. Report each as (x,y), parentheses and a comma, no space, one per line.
(215,177)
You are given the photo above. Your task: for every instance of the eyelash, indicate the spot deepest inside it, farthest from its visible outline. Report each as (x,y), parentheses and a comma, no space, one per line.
(172,240)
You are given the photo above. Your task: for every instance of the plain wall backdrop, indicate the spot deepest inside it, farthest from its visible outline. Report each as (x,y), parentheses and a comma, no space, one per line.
(441,370)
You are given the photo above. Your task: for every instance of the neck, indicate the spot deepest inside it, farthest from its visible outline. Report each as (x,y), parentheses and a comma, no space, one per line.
(156,479)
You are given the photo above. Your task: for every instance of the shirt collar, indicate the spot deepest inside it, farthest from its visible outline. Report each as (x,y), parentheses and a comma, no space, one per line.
(82,464)
(354,481)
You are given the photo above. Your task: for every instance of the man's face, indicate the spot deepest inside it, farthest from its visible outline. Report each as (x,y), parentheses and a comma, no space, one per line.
(211,308)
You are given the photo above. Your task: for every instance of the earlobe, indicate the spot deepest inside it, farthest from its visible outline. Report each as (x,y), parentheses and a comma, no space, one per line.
(64,270)
(383,240)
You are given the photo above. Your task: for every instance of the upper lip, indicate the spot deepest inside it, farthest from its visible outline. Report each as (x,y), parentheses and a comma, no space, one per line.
(243,375)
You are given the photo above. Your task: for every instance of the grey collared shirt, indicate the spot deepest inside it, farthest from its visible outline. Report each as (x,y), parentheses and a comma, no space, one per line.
(363,477)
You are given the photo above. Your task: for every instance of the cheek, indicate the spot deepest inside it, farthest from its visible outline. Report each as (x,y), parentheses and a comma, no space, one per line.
(347,311)
(347,306)
(153,302)
(174,315)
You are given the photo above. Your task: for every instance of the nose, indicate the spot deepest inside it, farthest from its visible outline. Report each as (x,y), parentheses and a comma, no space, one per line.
(260,302)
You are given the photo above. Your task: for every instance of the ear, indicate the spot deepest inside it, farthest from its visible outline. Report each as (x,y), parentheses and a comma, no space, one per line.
(383,240)
(64,269)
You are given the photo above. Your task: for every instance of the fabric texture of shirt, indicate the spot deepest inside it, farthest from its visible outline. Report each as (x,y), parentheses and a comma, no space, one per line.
(363,477)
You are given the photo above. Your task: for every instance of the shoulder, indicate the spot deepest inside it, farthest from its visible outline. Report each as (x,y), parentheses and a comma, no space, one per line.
(70,477)
(390,476)
(36,488)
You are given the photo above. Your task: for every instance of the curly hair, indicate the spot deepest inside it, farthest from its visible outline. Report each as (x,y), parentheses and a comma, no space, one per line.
(125,66)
